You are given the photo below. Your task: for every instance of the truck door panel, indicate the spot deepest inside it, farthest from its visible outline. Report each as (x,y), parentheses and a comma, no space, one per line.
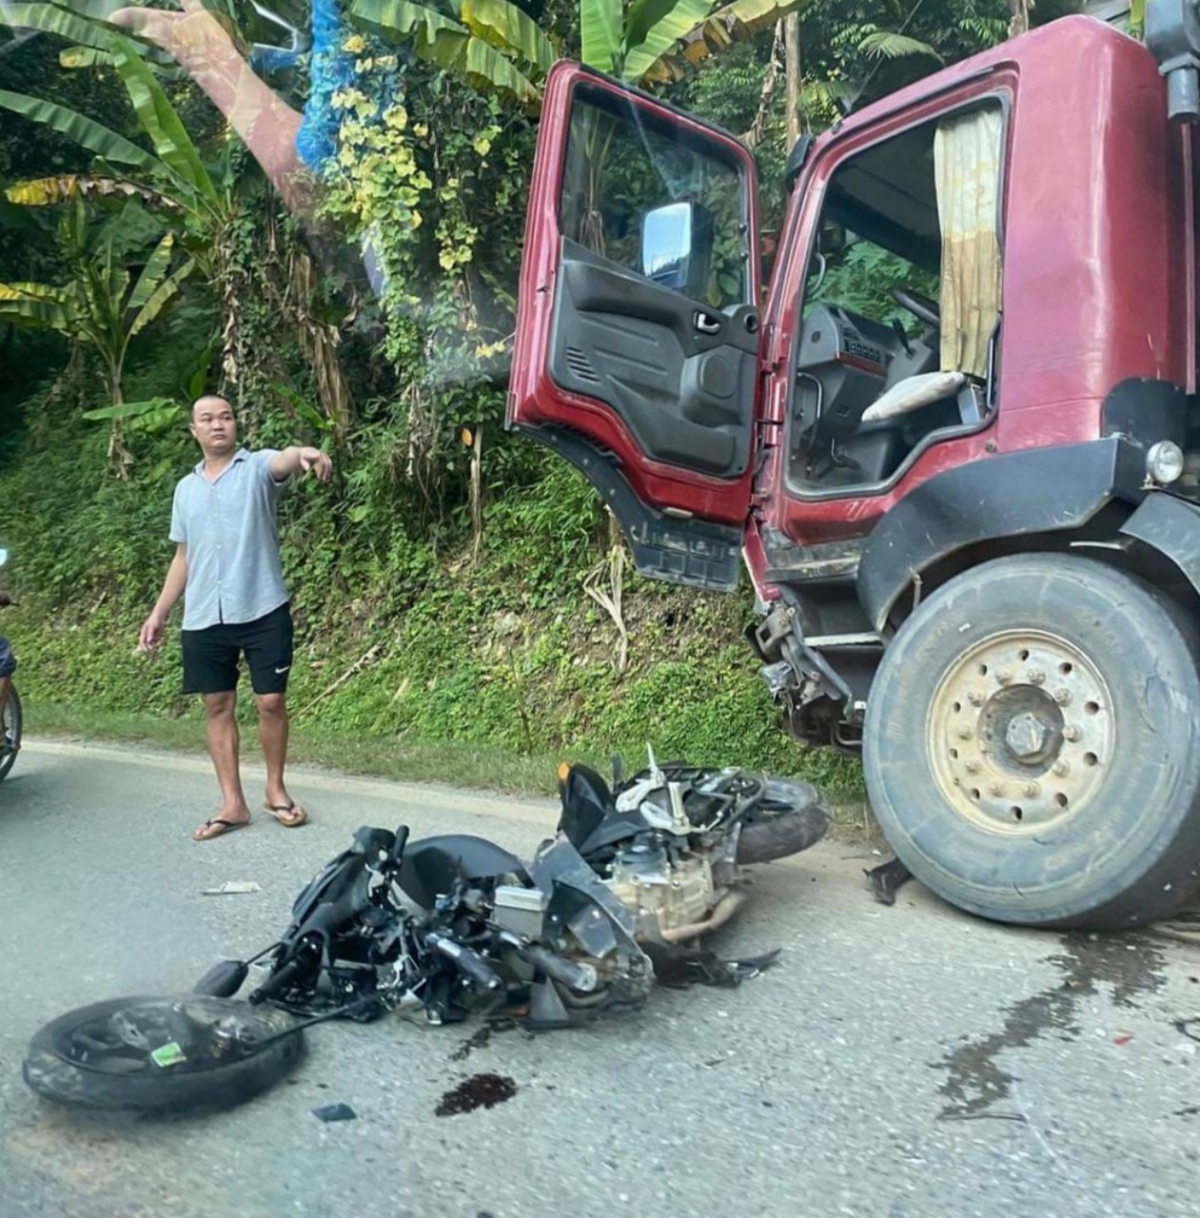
(680,375)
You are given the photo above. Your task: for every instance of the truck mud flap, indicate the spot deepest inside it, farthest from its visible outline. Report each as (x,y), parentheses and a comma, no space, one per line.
(1172,527)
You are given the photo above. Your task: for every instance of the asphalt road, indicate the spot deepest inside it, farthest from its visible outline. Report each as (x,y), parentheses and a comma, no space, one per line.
(904,1062)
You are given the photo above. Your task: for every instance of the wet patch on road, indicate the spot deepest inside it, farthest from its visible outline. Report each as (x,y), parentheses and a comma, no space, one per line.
(482,1038)
(976,1081)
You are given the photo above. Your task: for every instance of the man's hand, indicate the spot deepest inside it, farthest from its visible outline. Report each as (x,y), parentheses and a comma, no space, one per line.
(314,459)
(151,636)
(194,37)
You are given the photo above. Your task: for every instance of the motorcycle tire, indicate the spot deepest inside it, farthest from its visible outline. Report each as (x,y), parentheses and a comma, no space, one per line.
(10,729)
(791,817)
(54,1070)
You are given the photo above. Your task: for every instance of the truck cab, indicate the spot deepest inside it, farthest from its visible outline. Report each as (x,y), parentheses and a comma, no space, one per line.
(957,426)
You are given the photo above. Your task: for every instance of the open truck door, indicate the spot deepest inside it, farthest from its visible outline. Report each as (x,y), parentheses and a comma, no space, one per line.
(637,346)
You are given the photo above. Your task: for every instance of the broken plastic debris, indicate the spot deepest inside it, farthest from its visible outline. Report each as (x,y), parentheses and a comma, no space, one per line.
(232,887)
(886,878)
(335,1112)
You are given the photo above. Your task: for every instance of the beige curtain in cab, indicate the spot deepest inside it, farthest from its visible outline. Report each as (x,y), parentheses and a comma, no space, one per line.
(966,161)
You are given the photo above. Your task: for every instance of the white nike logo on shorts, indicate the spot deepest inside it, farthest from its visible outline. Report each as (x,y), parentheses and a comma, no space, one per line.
(283,669)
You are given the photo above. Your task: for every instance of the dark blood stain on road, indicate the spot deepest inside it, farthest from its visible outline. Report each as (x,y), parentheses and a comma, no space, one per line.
(1130,964)
(479,1091)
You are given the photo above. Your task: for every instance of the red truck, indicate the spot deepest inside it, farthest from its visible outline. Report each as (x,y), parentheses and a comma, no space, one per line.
(969,505)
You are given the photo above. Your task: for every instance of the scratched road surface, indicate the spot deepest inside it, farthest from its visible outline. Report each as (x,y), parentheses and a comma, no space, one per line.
(898,1062)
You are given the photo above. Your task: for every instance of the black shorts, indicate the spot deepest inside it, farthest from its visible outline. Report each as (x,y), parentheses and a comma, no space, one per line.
(210,656)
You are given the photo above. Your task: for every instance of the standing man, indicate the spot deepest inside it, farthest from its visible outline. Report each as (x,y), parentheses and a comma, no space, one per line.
(227,568)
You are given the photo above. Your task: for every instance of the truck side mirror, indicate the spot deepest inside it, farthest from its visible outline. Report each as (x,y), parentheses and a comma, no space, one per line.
(677,241)
(1173,36)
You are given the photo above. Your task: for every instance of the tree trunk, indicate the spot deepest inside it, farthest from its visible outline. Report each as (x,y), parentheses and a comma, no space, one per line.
(793,70)
(1020,18)
(753,137)
(319,342)
(118,454)
(476,496)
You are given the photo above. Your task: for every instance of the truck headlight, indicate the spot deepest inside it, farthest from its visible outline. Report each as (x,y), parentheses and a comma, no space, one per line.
(1164,462)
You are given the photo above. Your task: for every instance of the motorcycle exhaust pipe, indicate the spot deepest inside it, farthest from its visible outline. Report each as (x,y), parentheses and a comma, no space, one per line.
(722,911)
(582,978)
(468,962)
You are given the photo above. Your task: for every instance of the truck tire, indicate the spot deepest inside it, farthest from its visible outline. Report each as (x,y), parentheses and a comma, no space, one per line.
(1032,745)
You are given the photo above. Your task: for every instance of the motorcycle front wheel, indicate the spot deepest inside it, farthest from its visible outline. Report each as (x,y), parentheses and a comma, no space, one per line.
(159,1054)
(10,730)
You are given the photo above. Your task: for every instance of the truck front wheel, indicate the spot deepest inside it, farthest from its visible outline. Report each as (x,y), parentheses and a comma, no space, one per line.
(1032,745)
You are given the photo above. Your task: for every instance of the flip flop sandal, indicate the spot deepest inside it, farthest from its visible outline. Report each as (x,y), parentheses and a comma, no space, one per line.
(225,826)
(290,816)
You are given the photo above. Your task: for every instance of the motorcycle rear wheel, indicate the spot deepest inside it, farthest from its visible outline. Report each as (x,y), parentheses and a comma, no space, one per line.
(10,731)
(791,817)
(91,1058)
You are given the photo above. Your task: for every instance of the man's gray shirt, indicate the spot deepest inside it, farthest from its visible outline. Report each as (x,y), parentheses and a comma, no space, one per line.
(229,528)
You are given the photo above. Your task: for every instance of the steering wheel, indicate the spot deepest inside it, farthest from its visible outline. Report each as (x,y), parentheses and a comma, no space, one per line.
(921,307)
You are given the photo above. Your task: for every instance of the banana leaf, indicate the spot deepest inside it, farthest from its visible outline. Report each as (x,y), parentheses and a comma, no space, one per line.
(684,16)
(507,28)
(600,29)
(152,273)
(129,410)
(49,19)
(164,126)
(92,135)
(35,305)
(735,22)
(401,19)
(161,295)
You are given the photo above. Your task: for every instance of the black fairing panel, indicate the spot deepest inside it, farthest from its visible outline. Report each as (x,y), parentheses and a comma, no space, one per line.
(433,865)
(680,374)
(1035,490)
(586,801)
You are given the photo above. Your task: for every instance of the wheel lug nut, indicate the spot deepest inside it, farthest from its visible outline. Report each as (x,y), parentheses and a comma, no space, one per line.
(1071,732)
(1062,768)
(964,732)
(972,767)
(995,788)
(1035,676)
(1004,676)
(976,697)
(1062,696)
(1032,789)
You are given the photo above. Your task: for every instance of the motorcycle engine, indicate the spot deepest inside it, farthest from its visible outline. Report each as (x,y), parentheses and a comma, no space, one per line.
(654,881)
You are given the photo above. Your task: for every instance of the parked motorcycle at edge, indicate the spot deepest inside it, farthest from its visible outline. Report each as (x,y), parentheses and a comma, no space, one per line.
(454,926)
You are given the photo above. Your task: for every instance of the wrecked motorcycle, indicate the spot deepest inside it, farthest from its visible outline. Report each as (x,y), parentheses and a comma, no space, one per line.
(452,926)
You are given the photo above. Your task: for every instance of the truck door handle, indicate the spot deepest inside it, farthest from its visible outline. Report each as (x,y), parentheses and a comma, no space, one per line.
(706,324)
